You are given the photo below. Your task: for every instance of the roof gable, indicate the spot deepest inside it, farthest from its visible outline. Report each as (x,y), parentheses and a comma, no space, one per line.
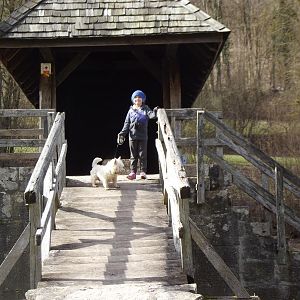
(107,18)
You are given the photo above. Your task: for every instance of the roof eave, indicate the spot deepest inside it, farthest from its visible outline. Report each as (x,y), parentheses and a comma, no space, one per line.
(202,37)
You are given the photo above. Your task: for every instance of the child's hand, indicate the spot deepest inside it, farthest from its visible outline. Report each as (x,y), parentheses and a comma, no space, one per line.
(155,109)
(120,139)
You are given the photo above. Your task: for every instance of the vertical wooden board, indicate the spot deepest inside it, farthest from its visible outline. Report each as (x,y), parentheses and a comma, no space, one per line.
(47,91)
(174,77)
(281,238)
(200,158)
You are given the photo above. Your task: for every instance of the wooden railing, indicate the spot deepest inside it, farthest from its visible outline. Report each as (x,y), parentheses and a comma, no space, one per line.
(31,138)
(270,170)
(176,191)
(42,197)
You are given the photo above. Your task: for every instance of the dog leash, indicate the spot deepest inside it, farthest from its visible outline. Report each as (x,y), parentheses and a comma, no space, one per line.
(116,151)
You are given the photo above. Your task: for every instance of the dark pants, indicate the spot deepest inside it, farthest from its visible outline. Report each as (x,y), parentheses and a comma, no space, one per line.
(138,151)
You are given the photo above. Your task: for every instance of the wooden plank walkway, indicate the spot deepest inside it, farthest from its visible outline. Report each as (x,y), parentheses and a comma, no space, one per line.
(115,242)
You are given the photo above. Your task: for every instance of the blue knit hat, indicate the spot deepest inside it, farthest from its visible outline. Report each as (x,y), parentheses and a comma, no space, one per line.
(140,94)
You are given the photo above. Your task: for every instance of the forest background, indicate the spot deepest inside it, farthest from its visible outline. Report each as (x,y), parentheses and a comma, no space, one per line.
(256,80)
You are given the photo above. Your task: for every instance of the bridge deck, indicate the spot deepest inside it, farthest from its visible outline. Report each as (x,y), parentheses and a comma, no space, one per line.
(111,237)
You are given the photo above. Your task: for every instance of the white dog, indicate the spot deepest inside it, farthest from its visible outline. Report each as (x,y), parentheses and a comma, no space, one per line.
(106,173)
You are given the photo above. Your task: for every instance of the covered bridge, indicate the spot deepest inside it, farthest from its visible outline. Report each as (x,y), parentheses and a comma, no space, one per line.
(98,53)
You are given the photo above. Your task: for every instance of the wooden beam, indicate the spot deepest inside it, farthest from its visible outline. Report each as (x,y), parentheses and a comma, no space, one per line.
(70,67)
(14,254)
(281,237)
(176,171)
(25,112)
(44,160)
(46,86)
(218,263)
(202,37)
(166,83)
(187,113)
(22,143)
(18,60)
(12,54)
(174,76)
(254,190)
(148,63)
(291,181)
(200,158)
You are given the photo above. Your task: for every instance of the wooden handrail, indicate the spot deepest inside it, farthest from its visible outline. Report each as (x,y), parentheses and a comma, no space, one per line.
(259,159)
(44,187)
(282,178)
(254,190)
(42,193)
(176,189)
(44,160)
(165,145)
(32,138)
(254,155)
(25,112)
(173,157)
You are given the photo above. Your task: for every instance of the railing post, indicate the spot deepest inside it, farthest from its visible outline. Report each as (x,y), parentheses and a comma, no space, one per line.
(35,250)
(266,185)
(281,239)
(161,172)
(186,238)
(200,158)
(220,153)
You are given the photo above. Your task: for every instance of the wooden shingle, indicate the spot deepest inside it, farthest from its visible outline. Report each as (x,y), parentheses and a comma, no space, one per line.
(89,18)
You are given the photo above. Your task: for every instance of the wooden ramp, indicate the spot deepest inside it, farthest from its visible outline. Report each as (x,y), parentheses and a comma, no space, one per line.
(113,244)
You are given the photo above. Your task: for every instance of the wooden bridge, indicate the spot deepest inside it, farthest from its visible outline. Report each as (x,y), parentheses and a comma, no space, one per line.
(137,239)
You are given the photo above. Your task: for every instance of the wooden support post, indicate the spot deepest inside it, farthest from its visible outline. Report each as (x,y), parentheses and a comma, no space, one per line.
(174,77)
(186,238)
(47,86)
(219,152)
(266,185)
(166,83)
(200,158)
(35,250)
(281,238)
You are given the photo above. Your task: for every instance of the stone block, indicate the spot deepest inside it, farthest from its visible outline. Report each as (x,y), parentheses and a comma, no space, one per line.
(258,271)
(12,207)
(294,273)
(219,229)
(242,212)
(9,179)
(261,228)
(259,249)
(6,206)
(24,176)
(267,292)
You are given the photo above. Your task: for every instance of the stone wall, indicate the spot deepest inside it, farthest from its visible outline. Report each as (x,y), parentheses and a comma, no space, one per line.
(13,219)
(247,246)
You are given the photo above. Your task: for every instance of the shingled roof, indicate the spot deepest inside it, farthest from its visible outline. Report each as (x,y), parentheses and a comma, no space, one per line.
(91,31)
(48,19)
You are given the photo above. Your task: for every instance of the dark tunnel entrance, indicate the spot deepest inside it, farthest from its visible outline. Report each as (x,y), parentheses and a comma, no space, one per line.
(96,100)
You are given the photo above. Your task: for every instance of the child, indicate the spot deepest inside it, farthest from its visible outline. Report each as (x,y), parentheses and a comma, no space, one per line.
(136,124)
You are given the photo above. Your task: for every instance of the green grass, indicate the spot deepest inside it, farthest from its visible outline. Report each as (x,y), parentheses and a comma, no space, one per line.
(26,149)
(238,160)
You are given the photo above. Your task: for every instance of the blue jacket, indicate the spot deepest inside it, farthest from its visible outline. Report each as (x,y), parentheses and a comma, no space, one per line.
(136,122)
